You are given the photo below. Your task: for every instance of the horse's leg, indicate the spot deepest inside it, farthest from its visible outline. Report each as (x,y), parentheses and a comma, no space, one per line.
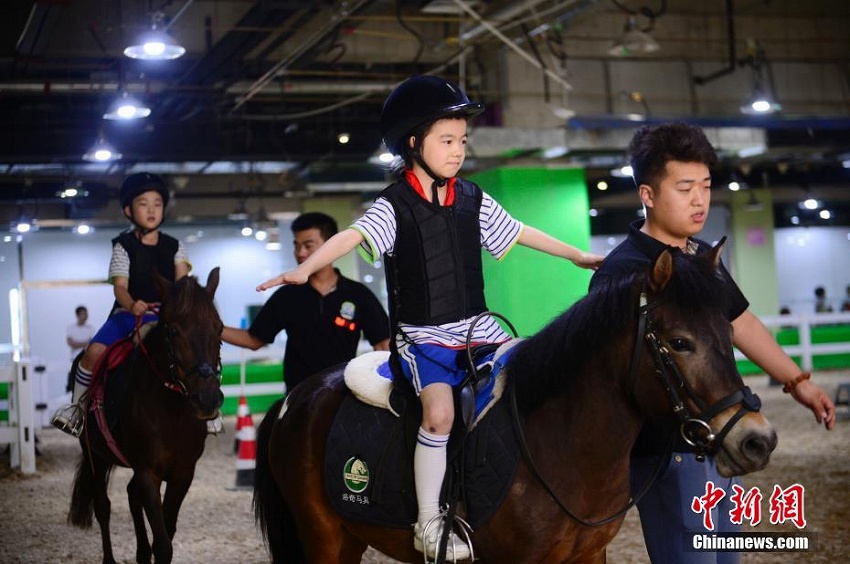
(134,496)
(148,487)
(352,549)
(102,505)
(175,493)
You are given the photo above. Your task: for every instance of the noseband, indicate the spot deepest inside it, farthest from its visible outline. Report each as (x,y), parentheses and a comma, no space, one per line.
(175,379)
(695,429)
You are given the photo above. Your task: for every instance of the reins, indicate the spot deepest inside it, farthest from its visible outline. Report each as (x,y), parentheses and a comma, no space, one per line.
(709,443)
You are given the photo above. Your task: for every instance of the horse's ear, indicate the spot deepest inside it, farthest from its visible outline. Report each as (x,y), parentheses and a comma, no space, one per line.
(212,282)
(713,256)
(662,271)
(162,284)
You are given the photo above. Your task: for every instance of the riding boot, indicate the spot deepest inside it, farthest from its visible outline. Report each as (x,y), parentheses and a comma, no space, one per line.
(70,418)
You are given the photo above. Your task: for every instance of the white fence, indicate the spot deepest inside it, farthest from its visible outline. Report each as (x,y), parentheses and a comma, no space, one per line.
(19,434)
(806,350)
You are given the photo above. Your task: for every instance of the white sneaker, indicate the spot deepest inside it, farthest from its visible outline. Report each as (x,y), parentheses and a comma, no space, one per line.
(215,426)
(69,419)
(456,548)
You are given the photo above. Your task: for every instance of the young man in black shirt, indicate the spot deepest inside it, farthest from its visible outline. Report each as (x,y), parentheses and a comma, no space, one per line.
(671,164)
(323,319)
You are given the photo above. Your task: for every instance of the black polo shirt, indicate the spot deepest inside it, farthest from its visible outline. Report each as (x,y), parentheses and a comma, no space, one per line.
(321,331)
(638,253)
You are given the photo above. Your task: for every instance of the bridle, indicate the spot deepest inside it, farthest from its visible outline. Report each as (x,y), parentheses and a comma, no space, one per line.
(695,430)
(176,375)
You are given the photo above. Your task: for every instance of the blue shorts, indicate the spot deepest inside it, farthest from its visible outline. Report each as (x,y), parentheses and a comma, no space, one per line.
(118,326)
(425,364)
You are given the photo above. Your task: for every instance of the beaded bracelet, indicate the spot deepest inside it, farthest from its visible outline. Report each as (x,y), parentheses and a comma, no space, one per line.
(790,385)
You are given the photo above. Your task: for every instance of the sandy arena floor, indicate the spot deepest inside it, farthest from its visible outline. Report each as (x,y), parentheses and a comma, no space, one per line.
(216,523)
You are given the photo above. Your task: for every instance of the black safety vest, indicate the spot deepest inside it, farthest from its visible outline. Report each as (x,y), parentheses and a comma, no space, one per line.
(435,274)
(144,259)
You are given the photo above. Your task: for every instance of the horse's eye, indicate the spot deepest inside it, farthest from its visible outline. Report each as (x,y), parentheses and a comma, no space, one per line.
(679,344)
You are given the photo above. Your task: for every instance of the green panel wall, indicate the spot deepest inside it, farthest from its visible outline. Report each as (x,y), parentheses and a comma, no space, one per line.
(340,208)
(753,250)
(527,286)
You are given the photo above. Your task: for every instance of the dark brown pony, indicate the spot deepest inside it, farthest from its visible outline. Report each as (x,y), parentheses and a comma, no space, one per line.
(173,386)
(583,386)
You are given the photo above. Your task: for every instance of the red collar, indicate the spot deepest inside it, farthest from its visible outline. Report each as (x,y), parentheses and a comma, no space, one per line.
(411,179)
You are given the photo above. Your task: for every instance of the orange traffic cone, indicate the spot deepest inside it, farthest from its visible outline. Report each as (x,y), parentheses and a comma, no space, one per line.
(243,414)
(246,461)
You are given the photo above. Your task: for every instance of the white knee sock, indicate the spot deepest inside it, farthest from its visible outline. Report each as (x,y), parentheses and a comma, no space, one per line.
(81,383)
(429,469)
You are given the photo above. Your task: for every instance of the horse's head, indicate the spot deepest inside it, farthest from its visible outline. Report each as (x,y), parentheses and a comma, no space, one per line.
(684,343)
(192,329)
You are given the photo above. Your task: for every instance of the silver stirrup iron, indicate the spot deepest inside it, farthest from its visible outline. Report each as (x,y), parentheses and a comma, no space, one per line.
(436,521)
(69,419)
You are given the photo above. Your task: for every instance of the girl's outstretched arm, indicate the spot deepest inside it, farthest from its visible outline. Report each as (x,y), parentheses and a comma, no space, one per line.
(538,240)
(335,247)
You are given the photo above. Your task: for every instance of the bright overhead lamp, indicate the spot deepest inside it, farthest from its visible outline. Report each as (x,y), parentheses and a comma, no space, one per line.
(760,104)
(156,44)
(102,152)
(633,41)
(126,107)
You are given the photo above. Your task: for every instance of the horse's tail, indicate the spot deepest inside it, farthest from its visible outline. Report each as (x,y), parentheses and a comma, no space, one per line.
(271,514)
(86,483)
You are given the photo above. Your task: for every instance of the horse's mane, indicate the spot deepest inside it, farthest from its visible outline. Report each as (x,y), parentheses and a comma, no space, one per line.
(187,297)
(545,364)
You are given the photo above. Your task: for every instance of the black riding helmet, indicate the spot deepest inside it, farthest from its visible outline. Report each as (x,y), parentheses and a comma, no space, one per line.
(137,184)
(419,101)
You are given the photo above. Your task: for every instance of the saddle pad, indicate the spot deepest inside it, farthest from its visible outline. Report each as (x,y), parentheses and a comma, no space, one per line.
(370,379)
(369,463)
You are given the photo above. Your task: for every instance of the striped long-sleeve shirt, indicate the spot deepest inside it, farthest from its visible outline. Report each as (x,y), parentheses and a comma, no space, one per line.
(499,233)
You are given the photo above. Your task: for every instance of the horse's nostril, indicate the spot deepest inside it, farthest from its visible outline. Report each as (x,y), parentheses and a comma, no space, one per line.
(758,446)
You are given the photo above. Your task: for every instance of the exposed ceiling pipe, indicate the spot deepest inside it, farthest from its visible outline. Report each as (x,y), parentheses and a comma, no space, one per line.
(510,44)
(302,49)
(733,59)
(500,16)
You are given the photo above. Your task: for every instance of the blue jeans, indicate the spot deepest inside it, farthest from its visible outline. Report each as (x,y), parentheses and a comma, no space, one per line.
(665,511)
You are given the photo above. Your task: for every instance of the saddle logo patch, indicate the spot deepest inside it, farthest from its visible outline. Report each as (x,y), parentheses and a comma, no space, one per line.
(355,474)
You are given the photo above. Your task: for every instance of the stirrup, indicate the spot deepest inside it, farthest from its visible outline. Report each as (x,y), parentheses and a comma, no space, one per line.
(69,419)
(435,525)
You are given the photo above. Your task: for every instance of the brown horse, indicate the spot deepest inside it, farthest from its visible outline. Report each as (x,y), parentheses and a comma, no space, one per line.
(654,344)
(172,386)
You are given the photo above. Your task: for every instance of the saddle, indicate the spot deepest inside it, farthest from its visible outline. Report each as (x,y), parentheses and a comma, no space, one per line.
(110,383)
(369,449)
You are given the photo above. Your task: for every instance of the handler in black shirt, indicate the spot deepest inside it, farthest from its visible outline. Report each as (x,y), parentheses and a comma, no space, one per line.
(671,166)
(323,319)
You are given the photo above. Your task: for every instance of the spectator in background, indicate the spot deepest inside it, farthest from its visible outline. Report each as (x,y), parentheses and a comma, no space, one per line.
(845,305)
(80,333)
(77,335)
(821,305)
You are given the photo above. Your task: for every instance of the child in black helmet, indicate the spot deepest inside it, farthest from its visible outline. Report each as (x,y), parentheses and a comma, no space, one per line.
(135,254)
(430,227)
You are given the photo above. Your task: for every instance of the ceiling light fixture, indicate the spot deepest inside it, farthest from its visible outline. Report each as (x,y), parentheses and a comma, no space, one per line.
(343,138)
(761,102)
(102,152)
(126,107)
(155,44)
(633,41)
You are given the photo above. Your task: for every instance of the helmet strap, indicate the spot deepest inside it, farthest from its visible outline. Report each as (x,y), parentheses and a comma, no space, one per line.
(439,181)
(138,228)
